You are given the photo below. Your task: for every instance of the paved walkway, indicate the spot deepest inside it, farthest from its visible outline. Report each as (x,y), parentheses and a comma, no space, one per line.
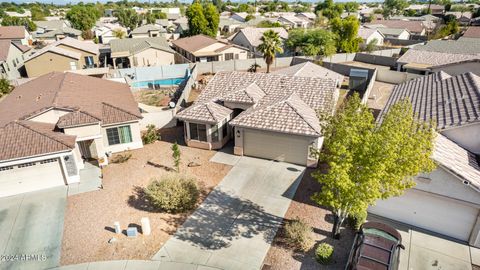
(134,265)
(235,225)
(32,224)
(90,179)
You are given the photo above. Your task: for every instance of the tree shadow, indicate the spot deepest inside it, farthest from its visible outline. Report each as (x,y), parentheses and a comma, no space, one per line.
(160,166)
(140,201)
(223,218)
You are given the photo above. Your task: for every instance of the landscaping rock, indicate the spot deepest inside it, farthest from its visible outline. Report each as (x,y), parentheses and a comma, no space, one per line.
(112,240)
(193,164)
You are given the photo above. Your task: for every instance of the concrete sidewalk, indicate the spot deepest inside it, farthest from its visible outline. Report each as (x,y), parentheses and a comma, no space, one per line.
(134,265)
(235,225)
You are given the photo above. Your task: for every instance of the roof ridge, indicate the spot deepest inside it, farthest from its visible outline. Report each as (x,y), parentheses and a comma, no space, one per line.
(288,101)
(118,108)
(55,98)
(40,133)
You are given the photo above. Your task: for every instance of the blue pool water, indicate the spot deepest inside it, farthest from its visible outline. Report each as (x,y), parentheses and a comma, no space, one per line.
(162,82)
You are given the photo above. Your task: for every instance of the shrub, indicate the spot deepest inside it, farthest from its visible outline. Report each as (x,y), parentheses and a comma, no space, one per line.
(358,219)
(121,158)
(151,135)
(173,194)
(298,235)
(324,253)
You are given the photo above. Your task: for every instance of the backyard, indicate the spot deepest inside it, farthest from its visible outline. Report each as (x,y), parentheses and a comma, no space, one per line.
(280,256)
(158,98)
(90,216)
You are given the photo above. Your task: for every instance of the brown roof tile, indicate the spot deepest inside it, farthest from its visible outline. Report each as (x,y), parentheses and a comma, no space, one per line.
(194,43)
(76,118)
(12,32)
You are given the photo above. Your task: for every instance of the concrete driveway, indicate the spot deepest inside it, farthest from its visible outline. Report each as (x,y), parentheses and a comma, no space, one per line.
(235,225)
(426,250)
(31,227)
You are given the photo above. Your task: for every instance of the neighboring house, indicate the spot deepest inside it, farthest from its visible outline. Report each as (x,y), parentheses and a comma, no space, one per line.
(273,116)
(148,30)
(25,14)
(11,59)
(51,31)
(228,25)
(65,54)
(201,48)
(452,56)
(311,70)
(418,28)
(50,125)
(292,21)
(306,15)
(106,32)
(357,15)
(141,52)
(368,35)
(445,201)
(434,9)
(16,34)
(463,18)
(249,37)
(394,33)
(239,16)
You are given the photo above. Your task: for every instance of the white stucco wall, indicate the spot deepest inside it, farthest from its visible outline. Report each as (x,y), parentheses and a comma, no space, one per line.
(10,65)
(136,138)
(50,116)
(467,136)
(152,57)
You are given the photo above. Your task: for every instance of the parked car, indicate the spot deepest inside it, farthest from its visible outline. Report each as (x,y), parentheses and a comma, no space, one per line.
(375,247)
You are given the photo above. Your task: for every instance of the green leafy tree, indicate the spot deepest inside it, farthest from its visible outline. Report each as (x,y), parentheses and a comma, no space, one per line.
(83,17)
(367,161)
(371,46)
(270,46)
(329,9)
(128,18)
(394,7)
(151,17)
(17,21)
(176,156)
(313,42)
(219,4)
(346,30)
(351,7)
(39,13)
(197,23)
(5,87)
(213,19)
(119,33)
(268,24)
(151,135)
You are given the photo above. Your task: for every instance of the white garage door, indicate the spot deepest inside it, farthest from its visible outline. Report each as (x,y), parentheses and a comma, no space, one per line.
(30,177)
(440,215)
(277,146)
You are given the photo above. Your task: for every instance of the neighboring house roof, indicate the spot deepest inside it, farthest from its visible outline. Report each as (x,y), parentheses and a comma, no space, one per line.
(309,15)
(366,33)
(428,59)
(145,29)
(310,70)
(450,46)
(472,32)
(105,100)
(289,104)
(12,32)
(412,26)
(450,101)
(294,19)
(61,31)
(5,46)
(253,34)
(134,45)
(27,138)
(69,42)
(195,43)
(391,31)
(51,25)
(76,118)
(457,160)
(460,15)
(209,112)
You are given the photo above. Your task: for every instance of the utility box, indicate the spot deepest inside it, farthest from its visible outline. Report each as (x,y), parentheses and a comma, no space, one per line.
(146,230)
(132,232)
(116,226)
(358,79)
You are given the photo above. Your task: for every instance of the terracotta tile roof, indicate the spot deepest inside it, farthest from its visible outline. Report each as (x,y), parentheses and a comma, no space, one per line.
(112,114)
(449,100)
(457,160)
(12,32)
(472,32)
(76,118)
(310,70)
(209,112)
(249,94)
(69,91)
(26,138)
(287,99)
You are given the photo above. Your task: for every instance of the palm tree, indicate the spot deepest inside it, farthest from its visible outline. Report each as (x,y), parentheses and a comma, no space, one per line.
(271,45)
(119,33)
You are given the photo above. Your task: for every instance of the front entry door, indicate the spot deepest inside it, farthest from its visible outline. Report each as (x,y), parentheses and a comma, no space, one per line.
(85,148)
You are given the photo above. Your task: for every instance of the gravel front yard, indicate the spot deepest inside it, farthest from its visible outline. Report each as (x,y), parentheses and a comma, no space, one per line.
(90,216)
(321,220)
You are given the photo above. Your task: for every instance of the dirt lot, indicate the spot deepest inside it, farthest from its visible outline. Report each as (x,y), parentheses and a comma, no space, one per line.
(90,216)
(159,98)
(321,220)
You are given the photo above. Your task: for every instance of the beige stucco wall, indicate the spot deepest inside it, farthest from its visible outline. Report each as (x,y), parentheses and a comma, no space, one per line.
(83,55)
(50,116)
(48,62)
(152,57)
(241,40)
(10,65)
(466,136)
(136,138)
(82,132)
(242,54)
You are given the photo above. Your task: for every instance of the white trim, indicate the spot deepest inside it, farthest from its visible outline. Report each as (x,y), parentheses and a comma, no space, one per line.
(79,139)
(33,158)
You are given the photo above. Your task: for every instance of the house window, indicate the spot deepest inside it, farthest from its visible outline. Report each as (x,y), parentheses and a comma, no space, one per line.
(89,61)
(118,135)
(228,56)
(215,133)
(198,132)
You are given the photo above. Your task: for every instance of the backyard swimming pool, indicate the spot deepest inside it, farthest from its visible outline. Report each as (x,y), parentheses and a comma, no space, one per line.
(158,83)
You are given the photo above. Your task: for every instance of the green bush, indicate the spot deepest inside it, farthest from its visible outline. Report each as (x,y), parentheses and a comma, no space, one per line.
(324,253)
(151,135)
(173,194)
(298,234)
(358,219)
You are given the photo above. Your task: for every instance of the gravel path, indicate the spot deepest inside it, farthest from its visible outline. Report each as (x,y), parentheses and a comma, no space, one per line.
(90,216)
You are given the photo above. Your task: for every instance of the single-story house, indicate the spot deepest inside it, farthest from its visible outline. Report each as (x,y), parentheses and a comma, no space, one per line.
(239,16)
(141,52)
(434,8)
(463,18)
(390,33)
(452,56)
(311,70)
(269,116)
(447,200)
(249,37)
(418,28)
(306,15)
(11,59)
(202,48)
(148,30)
(51,125)
(292,21)
(51,31)
(368,35)
(16,34)
(106,32)
(62,55)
